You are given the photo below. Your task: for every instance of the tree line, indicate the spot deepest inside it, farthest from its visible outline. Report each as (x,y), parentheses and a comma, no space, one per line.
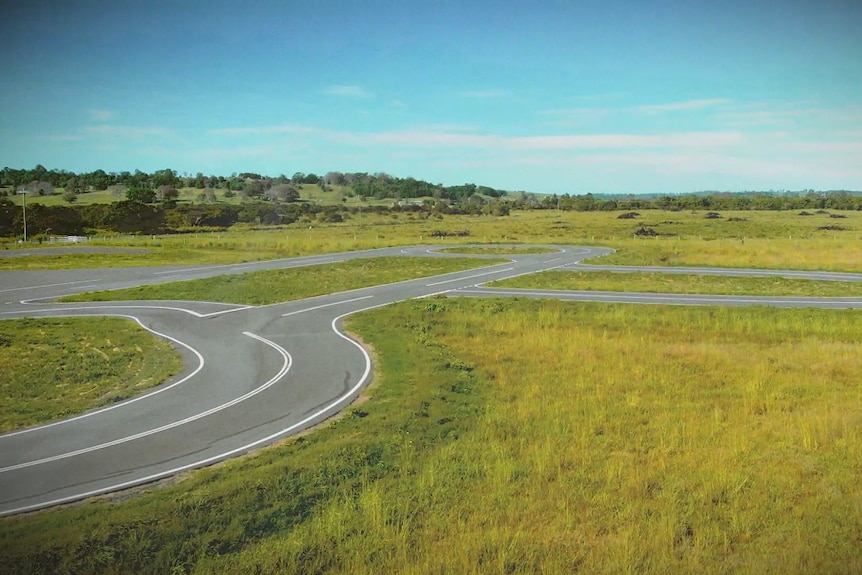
(147,202)
(135,217)
(834,200)
(162,184)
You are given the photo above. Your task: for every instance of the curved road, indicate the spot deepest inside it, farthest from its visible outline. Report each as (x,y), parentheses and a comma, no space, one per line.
(253,374)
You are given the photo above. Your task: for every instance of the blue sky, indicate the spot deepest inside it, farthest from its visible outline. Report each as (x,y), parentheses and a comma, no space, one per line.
(553,97)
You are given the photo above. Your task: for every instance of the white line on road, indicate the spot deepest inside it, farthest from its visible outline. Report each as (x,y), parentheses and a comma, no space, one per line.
(326,305)
(433,294)
(130,401)
(103,306)
(284,369)
(649,297)
(45,286)
(347,395)
(298,262)
(462,278)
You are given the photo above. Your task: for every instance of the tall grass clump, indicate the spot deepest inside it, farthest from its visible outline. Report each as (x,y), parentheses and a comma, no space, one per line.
(530,436)
(54,368)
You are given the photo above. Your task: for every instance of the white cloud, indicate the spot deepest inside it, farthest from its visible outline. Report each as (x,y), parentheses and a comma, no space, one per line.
(110,131)
(461,136)
(686,105)
(347,90)
(262,130)
(484,93)
(434,139)
(101,115)
(61,138)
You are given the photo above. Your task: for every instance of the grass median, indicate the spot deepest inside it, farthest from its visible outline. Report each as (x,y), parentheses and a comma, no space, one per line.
(656,282)
(274,286)
(521,436)
(55,368)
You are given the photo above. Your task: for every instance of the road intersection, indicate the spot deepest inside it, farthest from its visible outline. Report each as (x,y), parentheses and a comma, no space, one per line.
(253,374)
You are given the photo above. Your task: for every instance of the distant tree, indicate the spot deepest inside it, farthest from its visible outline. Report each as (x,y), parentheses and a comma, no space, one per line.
(283,192)
(99,180)
(117,190)
(334,179)
(40,187)
(141,195)
(253,188)
(70,197)
(166,177)
(167,193)
(74,185)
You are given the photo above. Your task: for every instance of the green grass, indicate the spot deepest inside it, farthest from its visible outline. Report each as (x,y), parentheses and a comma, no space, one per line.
(528,436)
(764,239)
(680,283)
(497,250)
(274,286)
(95,197)
(54,368)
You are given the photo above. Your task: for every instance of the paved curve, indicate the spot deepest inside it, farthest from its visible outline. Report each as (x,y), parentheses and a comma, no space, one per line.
(253,374)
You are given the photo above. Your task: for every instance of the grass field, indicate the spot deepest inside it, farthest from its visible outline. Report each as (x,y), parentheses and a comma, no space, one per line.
(511,436)
(764,239)
(680,283)
(54,368)
(519,436)
(267,287)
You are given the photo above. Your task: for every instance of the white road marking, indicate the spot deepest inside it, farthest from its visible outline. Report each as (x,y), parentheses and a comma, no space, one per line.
(298,261)
(433,294)
(130,401)
(326,305)
(308,419)
(232,452)
(468,277)
(109,307)
(672,299)
(284,369)
(551,261)
(44,286)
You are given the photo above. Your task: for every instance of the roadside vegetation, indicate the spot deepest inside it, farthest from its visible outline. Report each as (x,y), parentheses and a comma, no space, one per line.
(486,250)
(780,240)
(500,435)
(520,436)
(680,283)
(55,368)
(274,286)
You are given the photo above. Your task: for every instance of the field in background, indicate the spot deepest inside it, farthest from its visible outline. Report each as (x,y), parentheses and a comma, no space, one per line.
(679,284)
(762,239)
(521,436)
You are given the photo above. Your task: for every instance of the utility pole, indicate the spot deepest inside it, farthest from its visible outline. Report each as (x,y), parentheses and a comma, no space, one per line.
(23,193)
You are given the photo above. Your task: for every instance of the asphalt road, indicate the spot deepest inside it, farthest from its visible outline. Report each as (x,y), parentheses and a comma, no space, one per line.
(253,374)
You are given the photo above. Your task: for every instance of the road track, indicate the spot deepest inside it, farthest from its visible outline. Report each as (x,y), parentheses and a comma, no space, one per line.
(253,374)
